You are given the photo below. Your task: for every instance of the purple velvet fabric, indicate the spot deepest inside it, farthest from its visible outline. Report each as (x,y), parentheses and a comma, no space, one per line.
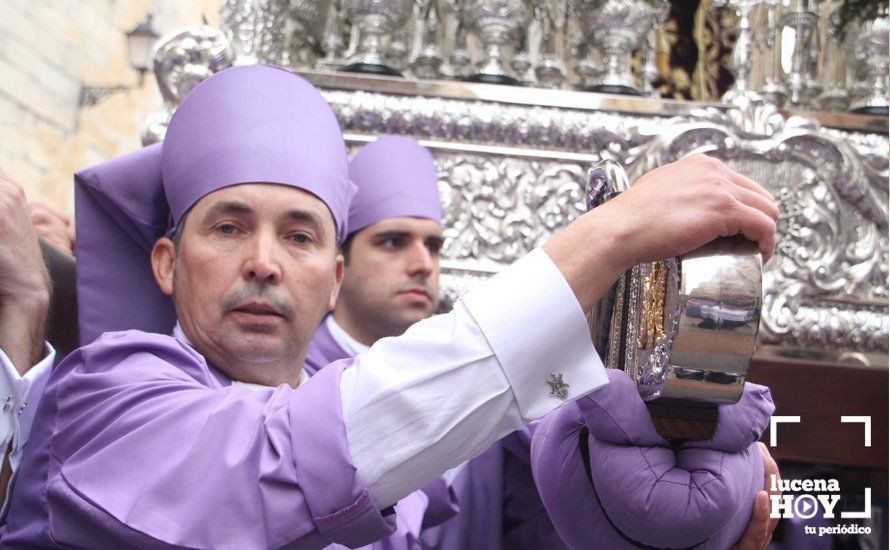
(499,503)
(641,491)
(396,177)
(245,124)
(323,350)
(434,504)
(230,467)
(526,523)
(479,490)
(121,212)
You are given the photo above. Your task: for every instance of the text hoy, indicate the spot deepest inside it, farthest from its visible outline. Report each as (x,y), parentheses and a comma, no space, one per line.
(808,505)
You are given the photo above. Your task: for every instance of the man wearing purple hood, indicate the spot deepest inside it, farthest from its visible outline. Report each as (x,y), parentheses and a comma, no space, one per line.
(211,438)
(391,253)
(391,281)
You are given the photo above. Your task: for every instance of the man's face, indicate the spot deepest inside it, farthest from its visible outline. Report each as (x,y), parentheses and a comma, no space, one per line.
(392,278)
(254,272)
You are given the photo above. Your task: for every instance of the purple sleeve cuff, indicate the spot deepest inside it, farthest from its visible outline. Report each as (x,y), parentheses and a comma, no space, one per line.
(346,512)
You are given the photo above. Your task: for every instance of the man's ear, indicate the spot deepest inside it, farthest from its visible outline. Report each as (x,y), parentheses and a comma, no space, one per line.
(163,258)
(338,281)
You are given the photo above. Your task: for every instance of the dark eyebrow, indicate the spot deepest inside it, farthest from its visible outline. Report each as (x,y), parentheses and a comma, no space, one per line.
(229,207)
(393,234)
(397,234)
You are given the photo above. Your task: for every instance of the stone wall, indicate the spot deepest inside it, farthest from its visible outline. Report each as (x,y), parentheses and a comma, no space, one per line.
(49,49)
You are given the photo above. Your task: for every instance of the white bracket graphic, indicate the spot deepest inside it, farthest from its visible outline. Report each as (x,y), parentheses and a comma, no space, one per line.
(774,421)
(860,419)
(863,514)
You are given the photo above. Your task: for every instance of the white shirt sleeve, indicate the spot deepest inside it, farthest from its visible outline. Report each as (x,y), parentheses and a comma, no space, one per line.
(19,396)
(454,384)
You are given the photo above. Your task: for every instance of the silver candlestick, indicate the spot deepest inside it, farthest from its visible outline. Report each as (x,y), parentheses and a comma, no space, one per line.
(773,89)
(617,28)
(521,63)
(428,60)
(309,19)
(648,66)
(813,82)
(333,43)
(870,45)
(459,60)
(590,69)
(497,24)
(398,50)
(375,21)
(743,51)
(550,70)
(835,95)
(255,29)
(801,18)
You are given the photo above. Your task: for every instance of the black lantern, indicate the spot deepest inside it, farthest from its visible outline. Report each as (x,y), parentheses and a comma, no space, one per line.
(140,42)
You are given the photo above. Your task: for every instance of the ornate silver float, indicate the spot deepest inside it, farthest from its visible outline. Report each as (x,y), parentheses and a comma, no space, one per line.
(513,164)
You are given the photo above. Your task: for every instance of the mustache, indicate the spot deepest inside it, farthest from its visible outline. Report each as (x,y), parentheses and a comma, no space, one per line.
(258,292)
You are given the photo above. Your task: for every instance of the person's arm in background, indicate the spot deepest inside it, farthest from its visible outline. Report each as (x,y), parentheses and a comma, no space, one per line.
(54,227)
(55,231)
(24,280)
(25,358)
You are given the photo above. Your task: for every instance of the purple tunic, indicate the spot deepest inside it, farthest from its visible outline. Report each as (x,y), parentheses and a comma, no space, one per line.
(499,503)
(323,350)
(433,504)
(138,442)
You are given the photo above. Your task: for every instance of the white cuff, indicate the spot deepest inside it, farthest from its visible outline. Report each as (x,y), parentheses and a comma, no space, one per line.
(534,323)
(19,396)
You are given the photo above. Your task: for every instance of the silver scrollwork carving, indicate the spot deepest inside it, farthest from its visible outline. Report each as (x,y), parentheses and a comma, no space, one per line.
(512,173)
(182,60)
(827,284)
(256,30)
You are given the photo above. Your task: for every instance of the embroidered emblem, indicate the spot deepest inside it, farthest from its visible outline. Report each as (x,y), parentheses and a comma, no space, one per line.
(558,387)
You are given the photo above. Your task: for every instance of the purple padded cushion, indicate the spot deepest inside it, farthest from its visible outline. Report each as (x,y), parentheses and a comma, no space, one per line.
(640,490)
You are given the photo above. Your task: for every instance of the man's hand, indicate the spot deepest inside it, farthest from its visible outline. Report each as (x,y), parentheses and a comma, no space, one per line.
(53,227)
(24,281)
(669,211)
(760,529)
